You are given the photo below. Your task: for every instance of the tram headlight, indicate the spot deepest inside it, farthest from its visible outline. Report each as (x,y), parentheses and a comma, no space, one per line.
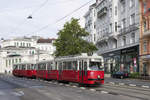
(98,76)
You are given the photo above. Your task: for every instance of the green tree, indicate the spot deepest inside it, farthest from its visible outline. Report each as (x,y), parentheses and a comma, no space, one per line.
(70,40)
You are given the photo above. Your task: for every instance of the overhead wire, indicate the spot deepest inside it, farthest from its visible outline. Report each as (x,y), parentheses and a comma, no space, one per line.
(44,27)
(33,12)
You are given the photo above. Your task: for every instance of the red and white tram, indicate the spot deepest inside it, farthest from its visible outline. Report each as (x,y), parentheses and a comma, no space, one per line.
(82,69)
(25,70)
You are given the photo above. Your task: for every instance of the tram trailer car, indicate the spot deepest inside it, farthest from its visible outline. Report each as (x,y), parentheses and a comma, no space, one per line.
(47,70)
(82,69)
(25,70)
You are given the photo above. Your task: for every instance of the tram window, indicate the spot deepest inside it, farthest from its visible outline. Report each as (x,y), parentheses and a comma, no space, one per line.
(44,66)
(16,67)
(74,66)
(64,65)
(23,67)
(80,66)
(69,65)
(55,67)
(85,66)
(28,67)
(60,66)
(39,67)
(32,66)
(19,67)
(95,66)
(48,66)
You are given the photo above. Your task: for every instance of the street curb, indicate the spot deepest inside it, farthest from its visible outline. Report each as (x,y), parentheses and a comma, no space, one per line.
(125,84)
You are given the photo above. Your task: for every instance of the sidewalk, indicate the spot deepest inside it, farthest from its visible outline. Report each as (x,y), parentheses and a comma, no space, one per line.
(129,82)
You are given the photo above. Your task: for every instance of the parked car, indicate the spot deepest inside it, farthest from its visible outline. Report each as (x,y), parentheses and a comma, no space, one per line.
(120,74)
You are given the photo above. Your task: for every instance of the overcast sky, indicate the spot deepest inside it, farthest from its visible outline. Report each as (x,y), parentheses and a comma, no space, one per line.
(14,13)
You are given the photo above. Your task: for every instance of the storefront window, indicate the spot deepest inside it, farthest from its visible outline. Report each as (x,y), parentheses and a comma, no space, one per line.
(144,69)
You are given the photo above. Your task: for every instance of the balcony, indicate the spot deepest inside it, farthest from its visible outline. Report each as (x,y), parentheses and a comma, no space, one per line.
(146,33)
(129,29)
(103,38)
(102,12)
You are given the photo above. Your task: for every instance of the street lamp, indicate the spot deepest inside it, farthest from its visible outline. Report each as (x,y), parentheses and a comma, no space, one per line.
(29,17)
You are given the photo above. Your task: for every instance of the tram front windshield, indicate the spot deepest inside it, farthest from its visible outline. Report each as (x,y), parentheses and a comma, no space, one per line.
(95,66)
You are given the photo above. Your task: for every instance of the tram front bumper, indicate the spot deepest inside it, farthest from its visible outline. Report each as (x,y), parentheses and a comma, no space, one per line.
(98,79)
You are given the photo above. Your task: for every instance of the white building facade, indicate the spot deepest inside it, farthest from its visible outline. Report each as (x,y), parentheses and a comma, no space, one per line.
(24,50)
(117,32)
(90,23)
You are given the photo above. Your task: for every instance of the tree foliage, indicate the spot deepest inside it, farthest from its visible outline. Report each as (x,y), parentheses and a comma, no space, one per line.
(70,40)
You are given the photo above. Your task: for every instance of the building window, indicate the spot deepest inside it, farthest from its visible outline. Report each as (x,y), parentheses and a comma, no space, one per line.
(12,61)
(133,38)
(110,12)
(123,6)
(145,26)
(94,37)
(23,44)
(17,44)
(123,23)
(110,28)
(94,25)
(132,19)
(145,7)
(6,63)
(132,3)
(116,10)
(145,46)
(9,62)
(29,44)
(20,60)
(124,40)
(116,27)
(16,60)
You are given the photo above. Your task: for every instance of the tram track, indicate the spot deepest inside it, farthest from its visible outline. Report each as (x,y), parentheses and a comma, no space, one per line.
(135,92)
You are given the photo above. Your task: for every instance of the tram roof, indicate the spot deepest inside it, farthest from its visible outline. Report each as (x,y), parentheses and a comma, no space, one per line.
(82,56)
(44,61)
(24,63)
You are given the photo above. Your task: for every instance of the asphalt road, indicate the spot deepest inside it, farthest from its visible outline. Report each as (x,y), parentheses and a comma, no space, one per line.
(136,82)
(13,88)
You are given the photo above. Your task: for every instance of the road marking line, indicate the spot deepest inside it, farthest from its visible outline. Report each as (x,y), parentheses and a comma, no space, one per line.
(60,84)
(55,83)
(121,84)
(111,82)
(2,93)
(145,86)
(132,85)
(92,90)
(49,82)
(104,92)
(67,85)
(74,86)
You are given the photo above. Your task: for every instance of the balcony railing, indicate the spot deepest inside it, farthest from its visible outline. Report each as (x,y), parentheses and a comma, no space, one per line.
(102,12)
(129,29)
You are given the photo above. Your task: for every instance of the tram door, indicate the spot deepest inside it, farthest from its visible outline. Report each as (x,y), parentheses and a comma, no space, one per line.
(60,70)
(82,71)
